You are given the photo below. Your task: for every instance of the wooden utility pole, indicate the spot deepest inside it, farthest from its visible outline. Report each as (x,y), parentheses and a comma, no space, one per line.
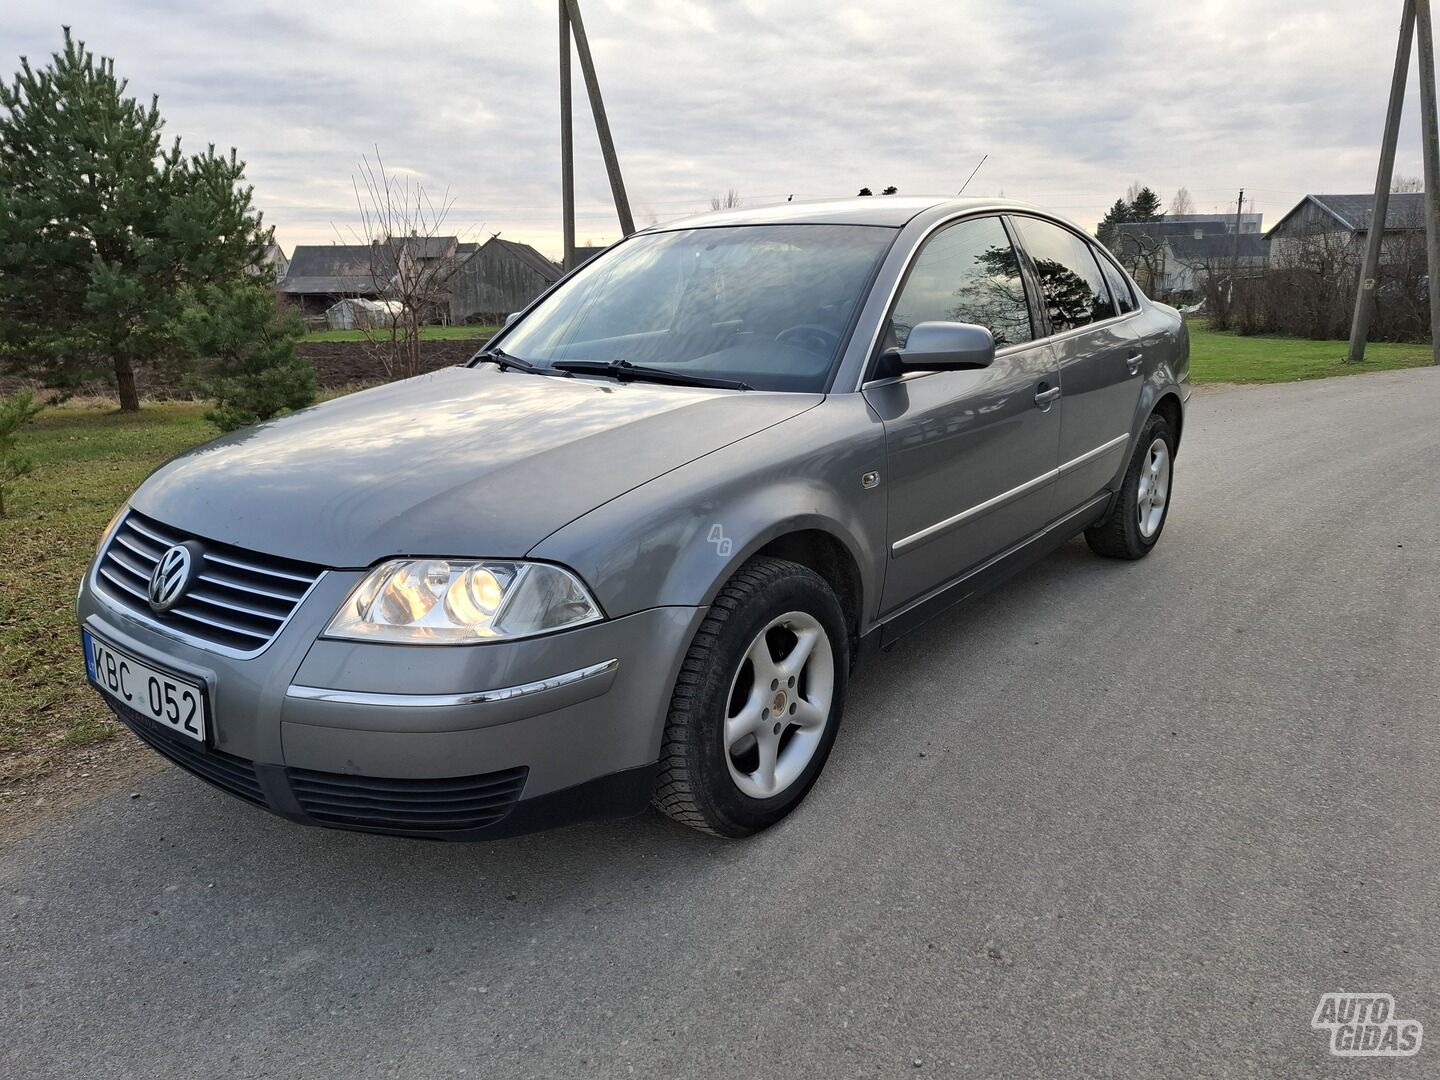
(1370,269)
(1430,151)
(567,144)
(570,20)
(1235,245)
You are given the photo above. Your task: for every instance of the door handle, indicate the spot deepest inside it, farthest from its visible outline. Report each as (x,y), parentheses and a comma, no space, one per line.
(1044,397)
(1133,362)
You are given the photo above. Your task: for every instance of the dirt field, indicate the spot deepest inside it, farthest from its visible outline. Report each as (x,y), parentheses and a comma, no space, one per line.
(337,364)
(344,363)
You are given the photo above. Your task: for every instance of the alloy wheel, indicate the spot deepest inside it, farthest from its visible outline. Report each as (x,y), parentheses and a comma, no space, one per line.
(1154,488)
(779,704)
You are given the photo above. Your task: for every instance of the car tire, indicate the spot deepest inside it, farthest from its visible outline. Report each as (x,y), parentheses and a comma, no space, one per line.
(758,623)
(1130,530)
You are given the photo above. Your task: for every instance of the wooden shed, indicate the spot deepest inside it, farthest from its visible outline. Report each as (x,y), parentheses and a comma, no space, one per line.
(500,277)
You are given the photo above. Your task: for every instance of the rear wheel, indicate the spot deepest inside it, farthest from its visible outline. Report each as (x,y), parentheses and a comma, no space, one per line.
(1134,523)
(758,701)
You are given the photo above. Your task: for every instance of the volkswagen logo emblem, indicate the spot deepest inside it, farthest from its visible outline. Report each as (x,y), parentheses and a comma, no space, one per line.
(171,577)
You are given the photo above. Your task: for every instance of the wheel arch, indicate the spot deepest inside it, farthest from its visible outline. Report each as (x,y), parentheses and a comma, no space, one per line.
(827,555)
(1168,405)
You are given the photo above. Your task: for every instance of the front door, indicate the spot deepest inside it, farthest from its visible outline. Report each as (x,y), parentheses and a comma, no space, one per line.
(970,455)
(1098,352)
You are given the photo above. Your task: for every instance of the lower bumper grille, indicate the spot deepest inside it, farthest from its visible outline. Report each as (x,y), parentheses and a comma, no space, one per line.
(226,771)
(451,804)
(457,804)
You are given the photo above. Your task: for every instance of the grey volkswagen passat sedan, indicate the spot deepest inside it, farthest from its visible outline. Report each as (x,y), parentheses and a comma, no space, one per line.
(631,551)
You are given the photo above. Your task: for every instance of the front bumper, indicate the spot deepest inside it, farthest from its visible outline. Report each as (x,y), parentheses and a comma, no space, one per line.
(452,742)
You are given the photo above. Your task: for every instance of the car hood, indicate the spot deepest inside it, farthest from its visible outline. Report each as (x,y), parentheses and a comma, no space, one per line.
(464,461)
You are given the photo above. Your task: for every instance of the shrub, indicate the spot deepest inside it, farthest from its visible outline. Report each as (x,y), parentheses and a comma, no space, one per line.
(15,413)
(243,342)
(1308,289)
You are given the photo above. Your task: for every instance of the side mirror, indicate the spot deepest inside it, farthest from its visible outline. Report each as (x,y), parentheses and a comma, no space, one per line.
(945,346)
(511,317)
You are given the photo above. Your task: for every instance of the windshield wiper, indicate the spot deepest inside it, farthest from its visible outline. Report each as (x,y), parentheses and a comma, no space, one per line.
(625,371)
(501,359)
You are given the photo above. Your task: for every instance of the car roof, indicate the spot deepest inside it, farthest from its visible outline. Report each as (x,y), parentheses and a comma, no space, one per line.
(889,210)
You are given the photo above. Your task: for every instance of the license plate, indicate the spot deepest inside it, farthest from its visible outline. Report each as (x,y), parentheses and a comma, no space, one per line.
(173,703)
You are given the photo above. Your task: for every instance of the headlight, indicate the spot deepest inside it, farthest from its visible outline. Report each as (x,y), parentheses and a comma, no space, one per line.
(444,601)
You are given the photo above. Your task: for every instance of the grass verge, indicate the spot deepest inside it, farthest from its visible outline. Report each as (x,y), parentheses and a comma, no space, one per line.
(1224,357)
(87,462)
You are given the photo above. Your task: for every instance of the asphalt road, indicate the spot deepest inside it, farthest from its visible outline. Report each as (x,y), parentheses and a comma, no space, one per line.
(1124,820)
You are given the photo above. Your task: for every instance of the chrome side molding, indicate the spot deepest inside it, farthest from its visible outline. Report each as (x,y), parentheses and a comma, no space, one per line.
(926,533)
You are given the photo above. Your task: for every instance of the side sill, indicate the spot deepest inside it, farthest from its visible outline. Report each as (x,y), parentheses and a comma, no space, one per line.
(990,573)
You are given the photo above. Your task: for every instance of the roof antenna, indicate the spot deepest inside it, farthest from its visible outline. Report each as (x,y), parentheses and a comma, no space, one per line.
(971,176)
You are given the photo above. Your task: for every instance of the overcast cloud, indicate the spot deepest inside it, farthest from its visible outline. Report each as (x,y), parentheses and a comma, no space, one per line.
(809,98)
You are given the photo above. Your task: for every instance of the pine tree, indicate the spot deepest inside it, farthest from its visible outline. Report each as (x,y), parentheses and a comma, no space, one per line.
(1146,206)
(1119,212)
(102,228)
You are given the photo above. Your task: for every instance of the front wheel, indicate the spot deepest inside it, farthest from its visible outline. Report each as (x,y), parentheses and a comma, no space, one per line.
(1133,525)
(758,701)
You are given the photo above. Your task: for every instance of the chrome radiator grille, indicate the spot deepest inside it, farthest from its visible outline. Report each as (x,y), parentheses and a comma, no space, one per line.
(239,599)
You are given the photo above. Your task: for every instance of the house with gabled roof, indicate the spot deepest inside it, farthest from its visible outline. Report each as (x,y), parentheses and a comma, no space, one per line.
(1345,219)
(272,265)
(321,275)
(1173,258)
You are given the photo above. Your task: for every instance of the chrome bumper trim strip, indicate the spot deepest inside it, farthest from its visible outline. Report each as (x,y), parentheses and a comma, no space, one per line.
(440,701)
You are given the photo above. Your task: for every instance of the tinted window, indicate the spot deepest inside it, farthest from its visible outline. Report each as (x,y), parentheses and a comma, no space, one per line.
(768,305)
(968,273)
(1119,287)
(1075,290)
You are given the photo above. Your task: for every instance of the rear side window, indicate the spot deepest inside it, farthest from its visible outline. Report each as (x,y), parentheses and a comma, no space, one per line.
(1070,278)
(967,273)
(1119,287)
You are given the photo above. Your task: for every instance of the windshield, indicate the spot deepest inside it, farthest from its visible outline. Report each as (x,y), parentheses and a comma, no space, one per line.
(764,305)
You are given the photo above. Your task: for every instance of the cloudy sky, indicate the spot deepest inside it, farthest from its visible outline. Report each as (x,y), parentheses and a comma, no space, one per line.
(1071,101)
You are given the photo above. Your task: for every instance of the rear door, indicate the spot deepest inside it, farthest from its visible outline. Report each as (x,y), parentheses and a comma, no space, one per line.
(1098,352)
(970,454)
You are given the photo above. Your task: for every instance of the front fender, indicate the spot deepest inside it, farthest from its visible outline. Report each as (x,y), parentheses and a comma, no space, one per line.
(677,539)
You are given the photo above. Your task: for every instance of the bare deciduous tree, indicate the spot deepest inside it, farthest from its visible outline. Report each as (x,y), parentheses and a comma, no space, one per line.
(1402,184)
(410,264)
(1182,203)
(1143,255)
(729,201)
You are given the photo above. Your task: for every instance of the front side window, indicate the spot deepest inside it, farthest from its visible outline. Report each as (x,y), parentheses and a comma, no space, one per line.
(968,273)
(1070,278)
(766,305)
